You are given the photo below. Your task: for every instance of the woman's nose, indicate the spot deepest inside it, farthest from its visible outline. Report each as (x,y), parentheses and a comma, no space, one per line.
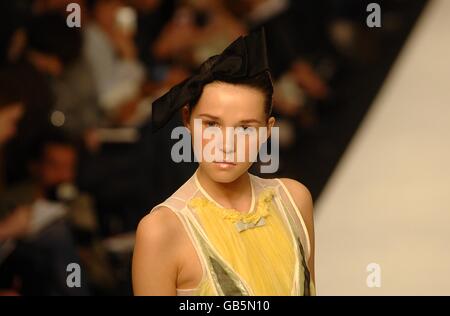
(228,144)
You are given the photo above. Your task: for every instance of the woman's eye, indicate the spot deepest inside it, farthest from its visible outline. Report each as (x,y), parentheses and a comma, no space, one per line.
(210,123)
(245,128)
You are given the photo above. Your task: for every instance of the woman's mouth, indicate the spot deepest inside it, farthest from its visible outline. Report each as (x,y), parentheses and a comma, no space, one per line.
(224,164)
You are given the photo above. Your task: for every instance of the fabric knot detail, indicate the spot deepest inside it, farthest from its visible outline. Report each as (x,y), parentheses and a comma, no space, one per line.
(263,208)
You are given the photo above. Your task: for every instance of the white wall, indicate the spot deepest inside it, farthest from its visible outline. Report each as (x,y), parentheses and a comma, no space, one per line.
(388,202)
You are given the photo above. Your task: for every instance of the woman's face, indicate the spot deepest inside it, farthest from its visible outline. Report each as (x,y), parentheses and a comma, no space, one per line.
(230,109)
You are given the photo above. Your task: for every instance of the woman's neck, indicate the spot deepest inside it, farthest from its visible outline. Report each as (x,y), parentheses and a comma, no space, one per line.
(236,195)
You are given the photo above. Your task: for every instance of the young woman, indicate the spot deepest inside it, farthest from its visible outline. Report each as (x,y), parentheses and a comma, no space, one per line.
(226,231)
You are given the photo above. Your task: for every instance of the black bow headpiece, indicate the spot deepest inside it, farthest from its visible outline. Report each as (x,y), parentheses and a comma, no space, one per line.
(244,58)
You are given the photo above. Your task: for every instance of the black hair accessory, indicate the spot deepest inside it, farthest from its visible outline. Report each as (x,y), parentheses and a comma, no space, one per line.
(244,58)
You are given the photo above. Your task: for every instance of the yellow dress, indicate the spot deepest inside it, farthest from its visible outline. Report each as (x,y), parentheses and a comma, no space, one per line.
(262,252)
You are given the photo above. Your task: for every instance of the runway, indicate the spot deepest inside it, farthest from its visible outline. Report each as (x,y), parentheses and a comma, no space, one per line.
(388,201)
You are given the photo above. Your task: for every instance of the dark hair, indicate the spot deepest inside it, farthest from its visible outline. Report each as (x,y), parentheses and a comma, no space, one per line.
(10,88)
(49,34)
(262,82)
(13,15)
(50,136)
(92,4)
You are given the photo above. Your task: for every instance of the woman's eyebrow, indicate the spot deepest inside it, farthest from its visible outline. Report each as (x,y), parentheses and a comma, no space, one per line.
(246,121)
(212,117)
(250,121)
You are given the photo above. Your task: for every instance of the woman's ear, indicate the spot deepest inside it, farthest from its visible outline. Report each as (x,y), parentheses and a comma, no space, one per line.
(185,113)
(270,124)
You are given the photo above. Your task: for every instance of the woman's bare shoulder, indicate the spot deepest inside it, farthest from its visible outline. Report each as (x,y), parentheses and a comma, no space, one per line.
(156,238)
(301,195)
(159,227)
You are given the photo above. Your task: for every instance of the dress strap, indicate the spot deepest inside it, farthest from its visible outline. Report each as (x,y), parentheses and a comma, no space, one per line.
(296,216)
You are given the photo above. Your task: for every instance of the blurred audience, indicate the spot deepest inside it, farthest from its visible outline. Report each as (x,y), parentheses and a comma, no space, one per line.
(52,224)
(111,52)
(58,56)
(44,245)
(79,165)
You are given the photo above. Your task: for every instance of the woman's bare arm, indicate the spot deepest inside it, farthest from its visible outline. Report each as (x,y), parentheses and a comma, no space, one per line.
(155,257)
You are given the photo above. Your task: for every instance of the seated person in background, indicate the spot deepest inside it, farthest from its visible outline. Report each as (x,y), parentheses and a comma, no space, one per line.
(112,54)
(57,54)
(56,210)
(14,222)
(197,30)
(295,37)
(11,110)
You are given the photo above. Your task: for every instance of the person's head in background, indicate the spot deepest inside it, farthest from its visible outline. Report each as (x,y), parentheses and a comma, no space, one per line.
(53,161)
(45,6)
(104,12)
(13,17)
(145,5)
(245,105)
(10,114)
(11,108)
(52,45)
(12,40)
(241,8)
